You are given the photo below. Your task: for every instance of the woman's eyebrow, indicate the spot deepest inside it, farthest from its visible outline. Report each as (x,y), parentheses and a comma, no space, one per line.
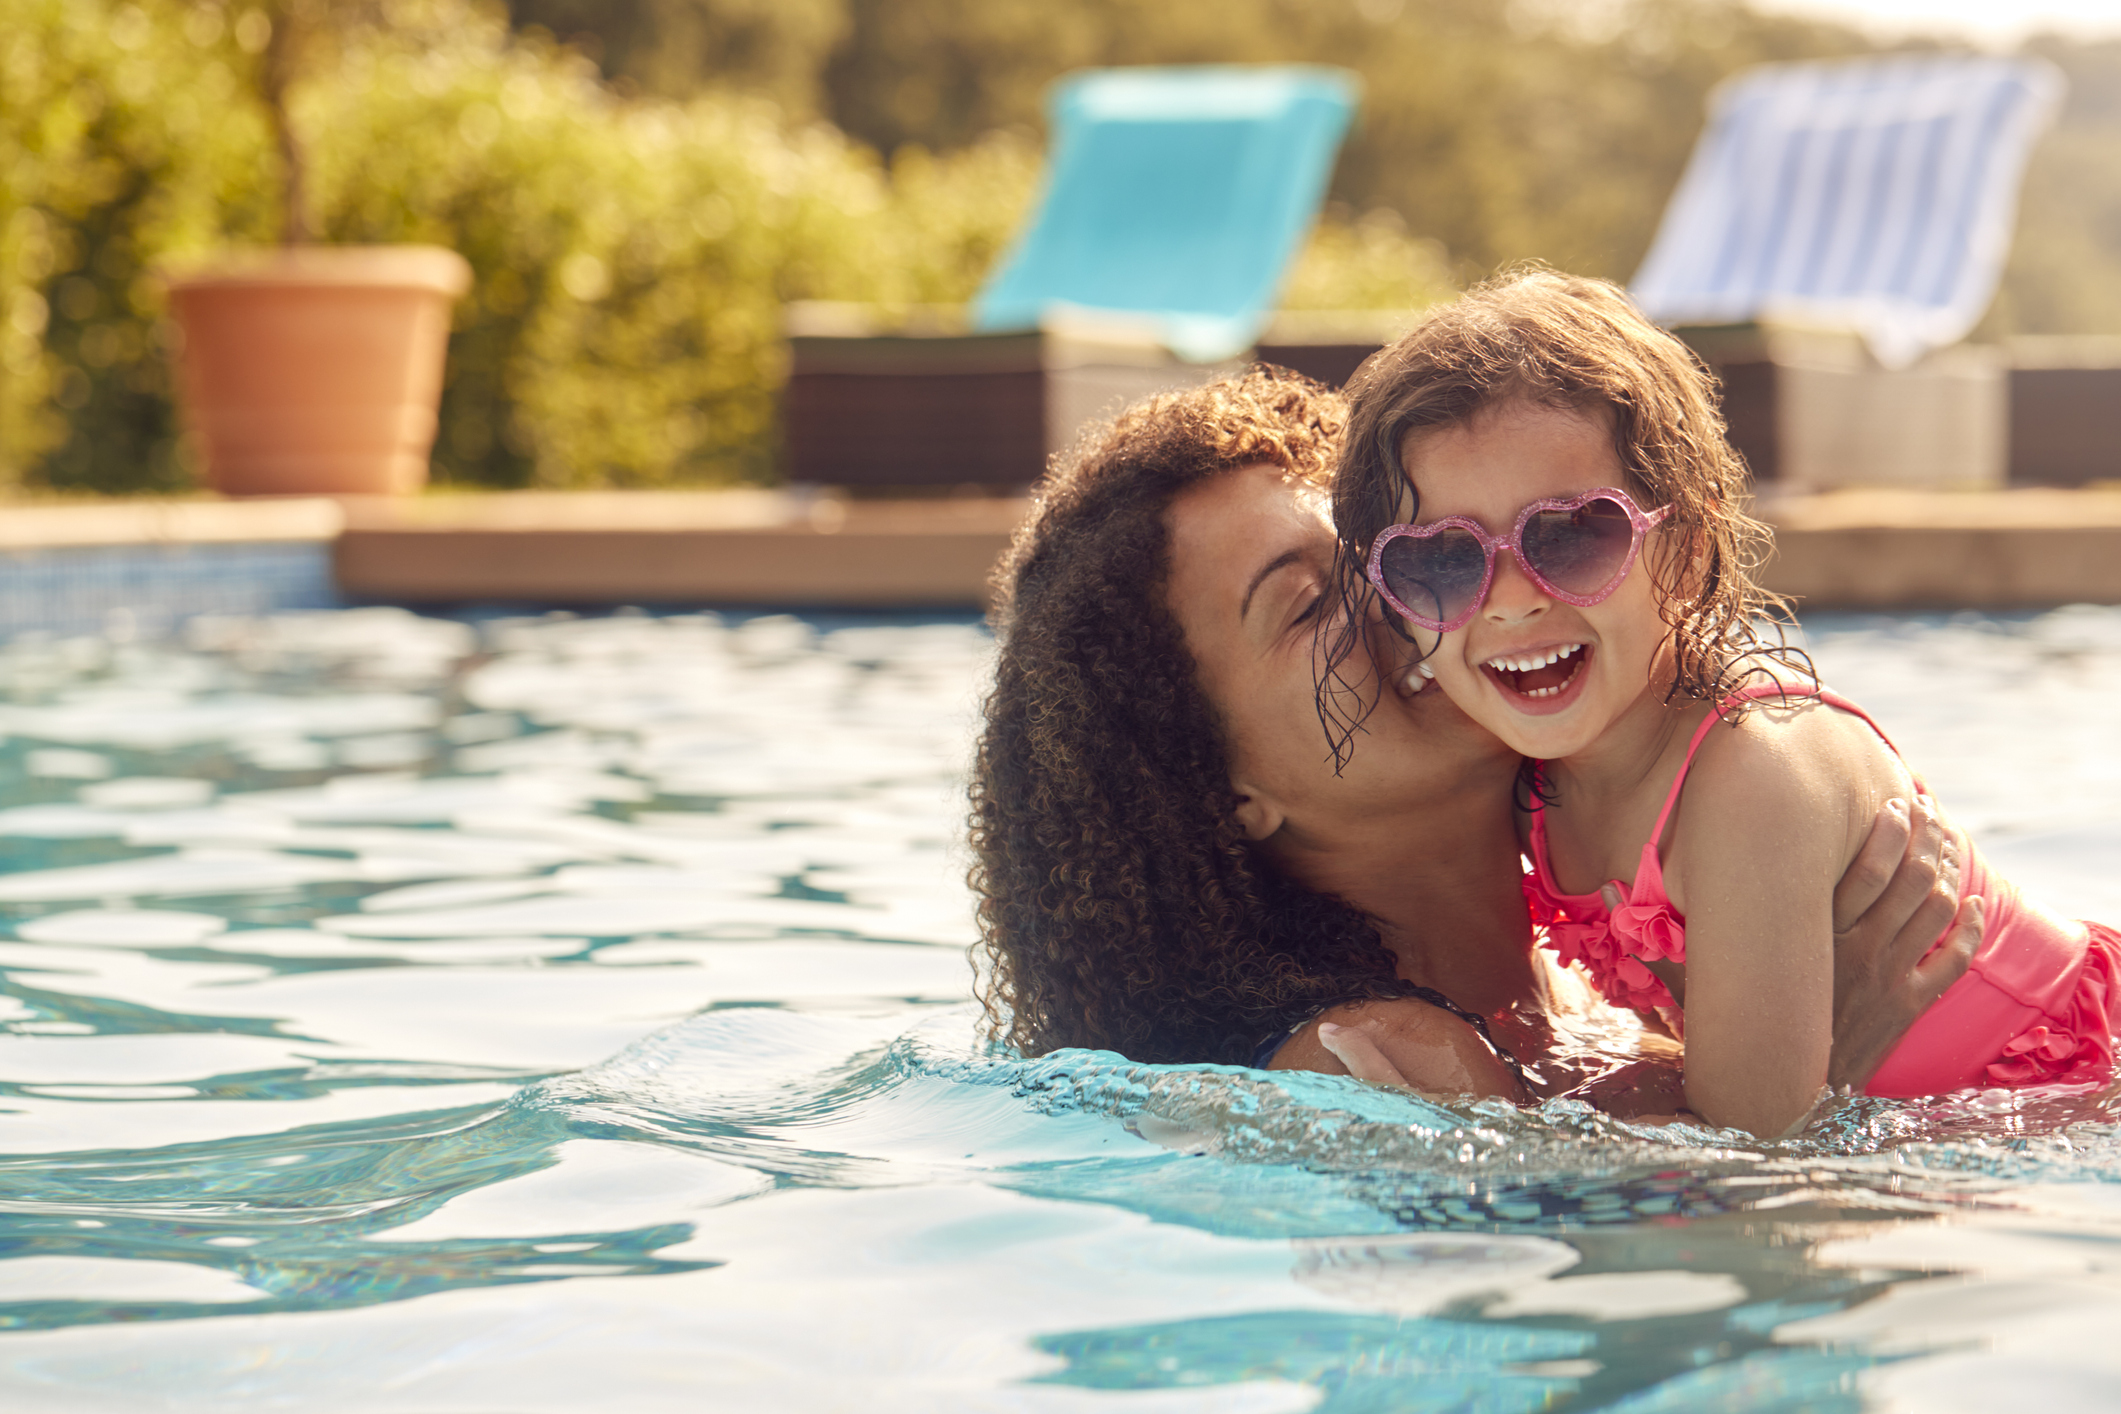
(1280,562)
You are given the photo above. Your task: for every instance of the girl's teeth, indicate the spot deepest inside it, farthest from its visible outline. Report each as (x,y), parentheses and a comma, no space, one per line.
(1526,665)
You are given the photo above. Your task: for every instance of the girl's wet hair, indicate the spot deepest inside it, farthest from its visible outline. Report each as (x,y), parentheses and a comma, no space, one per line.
(1120,905)
(1534,335)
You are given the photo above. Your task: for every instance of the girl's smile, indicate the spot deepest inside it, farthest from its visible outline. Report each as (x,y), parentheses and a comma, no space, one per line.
(1541,676)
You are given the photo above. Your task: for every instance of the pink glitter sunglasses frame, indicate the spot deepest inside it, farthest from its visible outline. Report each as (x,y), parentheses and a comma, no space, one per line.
(1640,524)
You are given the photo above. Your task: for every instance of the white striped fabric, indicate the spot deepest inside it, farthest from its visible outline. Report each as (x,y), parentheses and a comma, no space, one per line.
(1877,194)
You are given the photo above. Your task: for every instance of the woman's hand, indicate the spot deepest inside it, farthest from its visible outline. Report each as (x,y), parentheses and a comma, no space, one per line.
(1360,1055)
(1891,904)
(1401,1041)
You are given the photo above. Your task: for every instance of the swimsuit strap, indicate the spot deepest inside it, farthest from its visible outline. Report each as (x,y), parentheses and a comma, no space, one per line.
(1671,798)
(1538,812)
(1841,704)
(1748,694)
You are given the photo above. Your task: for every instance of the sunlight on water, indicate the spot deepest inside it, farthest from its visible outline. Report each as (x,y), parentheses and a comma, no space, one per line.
(412,1015)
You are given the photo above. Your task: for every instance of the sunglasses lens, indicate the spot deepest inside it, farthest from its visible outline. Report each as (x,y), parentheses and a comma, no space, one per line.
(1581,551)
(1435,576)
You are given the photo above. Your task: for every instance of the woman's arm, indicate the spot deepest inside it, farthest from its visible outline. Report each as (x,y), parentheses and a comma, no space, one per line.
(1890,909)
(1893,954)
(1400,1041)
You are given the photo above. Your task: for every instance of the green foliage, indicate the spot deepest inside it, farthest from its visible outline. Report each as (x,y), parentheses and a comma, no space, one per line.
(677,48)
(631,256)
(2064,275)
(1552,129)
(125,134)
(955,215)
(630,259)
(1540,128)
(1370,262)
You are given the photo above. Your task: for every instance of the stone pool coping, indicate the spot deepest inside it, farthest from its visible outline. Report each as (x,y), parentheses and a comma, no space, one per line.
(782,548)
(2027,547)
(31,525)
(1872,549)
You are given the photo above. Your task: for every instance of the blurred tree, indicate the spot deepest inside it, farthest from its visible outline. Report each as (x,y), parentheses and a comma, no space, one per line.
(2064,275)
(125,132)
(632,257)
(1550,128)
(1561,134)
(1553,129)
(676,48)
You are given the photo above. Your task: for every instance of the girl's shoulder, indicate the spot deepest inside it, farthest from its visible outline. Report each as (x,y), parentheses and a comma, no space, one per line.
(1783,722)
(1784,789)
(1789,758)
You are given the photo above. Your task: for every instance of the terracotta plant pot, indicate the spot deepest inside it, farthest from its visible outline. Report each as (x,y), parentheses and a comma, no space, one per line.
(316,370)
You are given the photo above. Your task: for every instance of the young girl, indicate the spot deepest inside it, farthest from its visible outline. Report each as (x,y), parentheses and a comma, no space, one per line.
(1537,482)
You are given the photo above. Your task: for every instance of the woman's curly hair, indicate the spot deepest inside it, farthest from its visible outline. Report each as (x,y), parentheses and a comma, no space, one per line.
(1578,344)
(1120,905)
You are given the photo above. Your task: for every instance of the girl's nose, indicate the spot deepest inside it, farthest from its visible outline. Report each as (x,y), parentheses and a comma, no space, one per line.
(1514,597)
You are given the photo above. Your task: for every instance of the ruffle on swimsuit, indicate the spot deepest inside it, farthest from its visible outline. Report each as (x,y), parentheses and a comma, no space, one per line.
(2034,1008)
(2079,1050)
(1612,947)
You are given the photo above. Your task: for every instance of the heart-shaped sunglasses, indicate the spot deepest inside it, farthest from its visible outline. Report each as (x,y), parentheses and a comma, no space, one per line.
(1575,548)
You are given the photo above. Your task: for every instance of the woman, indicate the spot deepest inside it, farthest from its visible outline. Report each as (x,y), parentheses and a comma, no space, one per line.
(1169,864)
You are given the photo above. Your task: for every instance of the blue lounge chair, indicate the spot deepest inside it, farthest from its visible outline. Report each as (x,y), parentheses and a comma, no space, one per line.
(1876,194)
(1175,199)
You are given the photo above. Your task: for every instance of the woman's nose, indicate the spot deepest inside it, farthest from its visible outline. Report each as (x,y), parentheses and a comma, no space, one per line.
(1514,597)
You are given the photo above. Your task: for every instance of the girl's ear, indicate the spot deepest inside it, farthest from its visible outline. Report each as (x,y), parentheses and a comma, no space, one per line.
(1257,814)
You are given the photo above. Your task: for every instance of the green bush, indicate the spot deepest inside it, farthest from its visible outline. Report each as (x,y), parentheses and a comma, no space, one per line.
(124,134)
(630,258)
(1368,262)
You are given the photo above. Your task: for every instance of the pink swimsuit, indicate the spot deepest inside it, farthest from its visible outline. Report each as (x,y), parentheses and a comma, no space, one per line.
(2031,1010)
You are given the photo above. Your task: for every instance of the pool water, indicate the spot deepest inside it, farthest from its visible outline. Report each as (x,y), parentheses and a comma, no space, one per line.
(561,1014)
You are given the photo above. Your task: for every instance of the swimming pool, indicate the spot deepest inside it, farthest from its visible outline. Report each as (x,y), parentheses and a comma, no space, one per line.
(404,1014)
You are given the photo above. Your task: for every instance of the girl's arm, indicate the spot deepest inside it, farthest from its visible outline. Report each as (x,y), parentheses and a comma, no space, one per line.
(1773,813)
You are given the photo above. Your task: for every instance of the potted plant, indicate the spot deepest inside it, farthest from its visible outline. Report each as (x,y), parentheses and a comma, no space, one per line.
(311,369)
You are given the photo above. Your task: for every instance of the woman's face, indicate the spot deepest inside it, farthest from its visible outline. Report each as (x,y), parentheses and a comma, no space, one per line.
(1251,558)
